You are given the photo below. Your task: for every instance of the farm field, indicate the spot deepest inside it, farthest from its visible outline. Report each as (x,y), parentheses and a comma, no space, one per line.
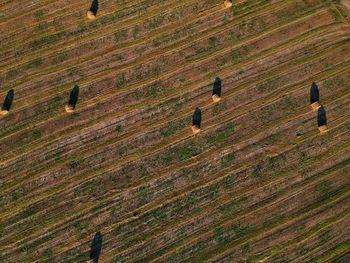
(258,183)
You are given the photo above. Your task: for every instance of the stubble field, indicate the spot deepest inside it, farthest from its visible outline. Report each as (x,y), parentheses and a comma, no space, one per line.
(258,183)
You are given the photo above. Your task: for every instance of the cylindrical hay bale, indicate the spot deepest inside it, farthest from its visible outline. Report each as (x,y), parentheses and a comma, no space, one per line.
(69,108)
(322,119)
(216,90)
(228,3)
(6,106)
(196,121)
(314,97)
(73,99)
(96,247)
(3,112)
(91,14)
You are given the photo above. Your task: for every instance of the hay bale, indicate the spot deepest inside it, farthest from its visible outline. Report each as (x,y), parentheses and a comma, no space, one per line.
(90,15)
(315,106)
(322,119)
(228,3)
(216,90)
(6,106)
(69,108)
(196,121)
(3,112)
(195,129)
(73,99)
(216,98)
(323,128)
(314,96)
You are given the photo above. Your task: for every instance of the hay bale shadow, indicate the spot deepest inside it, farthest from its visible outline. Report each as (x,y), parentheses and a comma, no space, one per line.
(216,96)
(96,247)
(196,120)
(314,97)
(314,93)
(6,106)
(322,119)
(73,99)
(91,14)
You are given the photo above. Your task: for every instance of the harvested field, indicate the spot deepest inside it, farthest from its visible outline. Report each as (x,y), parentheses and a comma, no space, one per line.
(123,178)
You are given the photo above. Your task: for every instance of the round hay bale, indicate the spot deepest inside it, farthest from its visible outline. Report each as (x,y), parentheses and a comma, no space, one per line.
(315,106)
(69,108)
(3,112)
(216,98)
(323,128)
(90,15)
(228,3)
(195,129)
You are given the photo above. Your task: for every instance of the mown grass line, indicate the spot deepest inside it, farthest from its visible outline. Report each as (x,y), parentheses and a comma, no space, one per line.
(144,255)
(342,193)
(305,236)
(309,244)
(221,203)
(95,35)
(240,15)
(76,8)
(171,48)
(97,24)
(334,251)
(128,45)
(32,146)
(181,163)
(90,30)
(88,103)
(316,228)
